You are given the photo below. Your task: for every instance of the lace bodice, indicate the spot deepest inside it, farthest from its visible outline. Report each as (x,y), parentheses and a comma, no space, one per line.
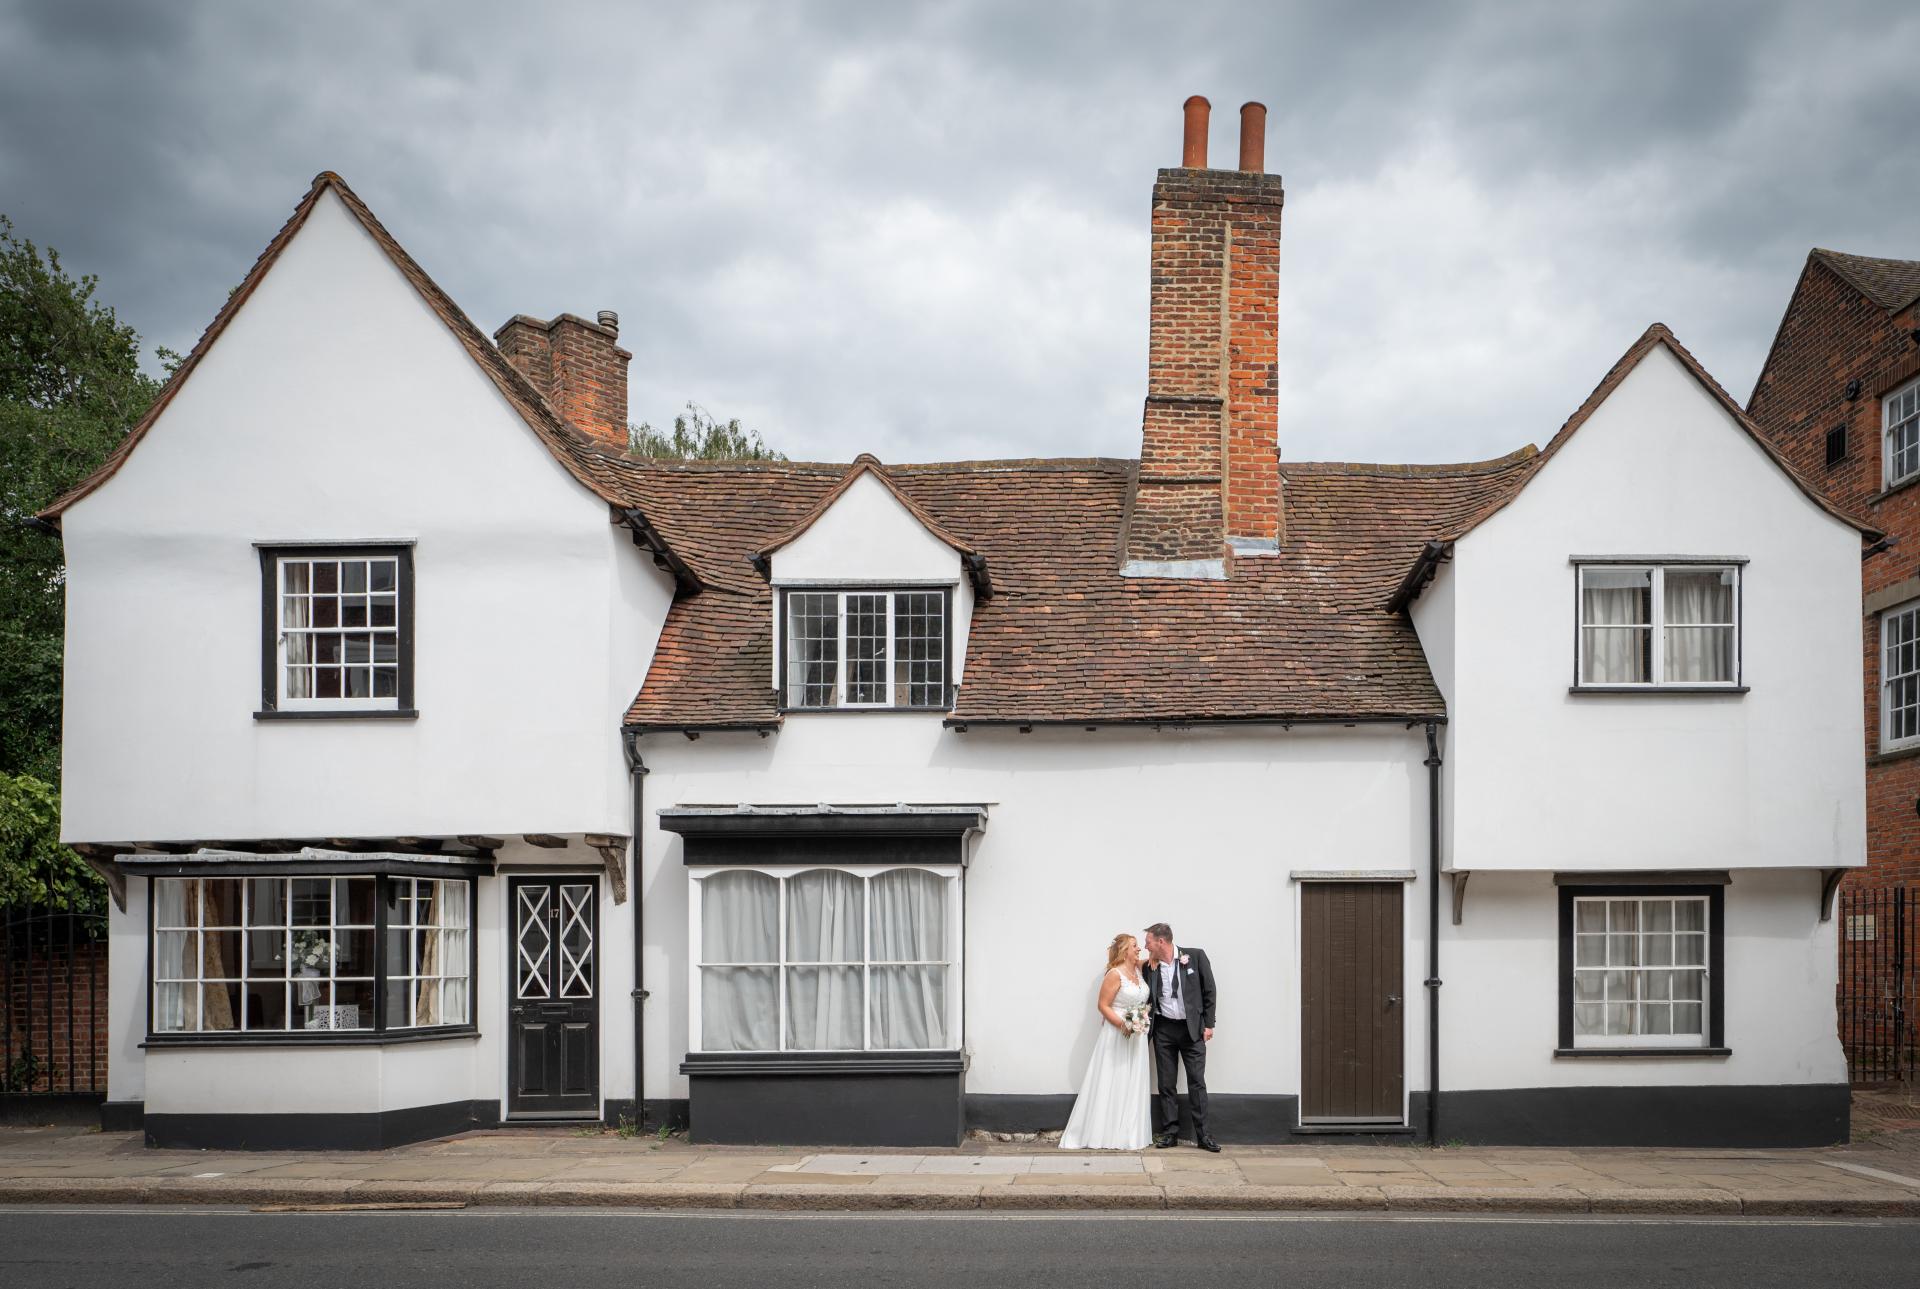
(1130,994)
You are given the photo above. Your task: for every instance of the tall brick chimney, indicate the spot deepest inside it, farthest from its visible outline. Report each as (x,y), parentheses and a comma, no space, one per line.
(577,365)
(1209,460)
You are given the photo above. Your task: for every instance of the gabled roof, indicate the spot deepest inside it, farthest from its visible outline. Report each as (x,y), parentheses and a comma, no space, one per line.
(582,458)
(866,464)
(1891,284)
(1066,639)
(1656,335)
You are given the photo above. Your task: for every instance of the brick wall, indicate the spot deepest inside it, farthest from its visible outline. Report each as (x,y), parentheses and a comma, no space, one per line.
(1209,461)
(1832,335)
(55,1006)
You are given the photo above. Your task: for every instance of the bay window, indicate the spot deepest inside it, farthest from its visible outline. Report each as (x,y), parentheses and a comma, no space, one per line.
(841,959)
(315,955)
(1653,625)
(865,648)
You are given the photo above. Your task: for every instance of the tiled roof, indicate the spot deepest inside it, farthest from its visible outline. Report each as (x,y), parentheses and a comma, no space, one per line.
(1065,638)
(1891,284)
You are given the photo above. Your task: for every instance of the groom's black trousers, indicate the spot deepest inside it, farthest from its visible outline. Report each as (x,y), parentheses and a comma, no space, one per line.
(1174,1045)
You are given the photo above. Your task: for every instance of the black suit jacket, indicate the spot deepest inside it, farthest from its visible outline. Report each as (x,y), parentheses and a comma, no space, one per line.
(1196,987)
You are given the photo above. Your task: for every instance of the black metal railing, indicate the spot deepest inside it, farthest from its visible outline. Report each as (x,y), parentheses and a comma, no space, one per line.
(1879,981)
(53,1002)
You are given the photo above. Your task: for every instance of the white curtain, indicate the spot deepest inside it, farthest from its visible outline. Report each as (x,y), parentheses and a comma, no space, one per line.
(826,923)
(1609,601)
(1696,653)
(739,923)
(176,1006)
(909,925)
(453,916)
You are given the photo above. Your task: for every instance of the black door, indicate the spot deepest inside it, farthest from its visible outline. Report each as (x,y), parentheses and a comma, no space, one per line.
(554,1004)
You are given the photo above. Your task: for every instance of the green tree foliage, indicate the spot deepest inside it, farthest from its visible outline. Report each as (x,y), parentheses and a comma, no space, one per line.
(698,436)
(70,386)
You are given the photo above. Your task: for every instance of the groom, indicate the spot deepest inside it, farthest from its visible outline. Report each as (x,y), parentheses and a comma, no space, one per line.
(1180,993)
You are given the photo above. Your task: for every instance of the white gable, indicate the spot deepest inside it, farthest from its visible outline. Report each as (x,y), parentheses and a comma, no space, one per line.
(1770,777)
(337,407)
(866,535)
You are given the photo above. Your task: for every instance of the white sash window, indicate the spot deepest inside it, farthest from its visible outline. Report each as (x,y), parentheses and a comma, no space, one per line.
(1652,625)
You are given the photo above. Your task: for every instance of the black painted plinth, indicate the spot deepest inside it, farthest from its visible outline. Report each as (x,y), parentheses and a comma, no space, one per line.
(742,1101)
(1762,1116)
(374,1130)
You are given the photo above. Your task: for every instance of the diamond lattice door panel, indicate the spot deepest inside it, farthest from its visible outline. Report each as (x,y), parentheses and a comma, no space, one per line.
(554,1010)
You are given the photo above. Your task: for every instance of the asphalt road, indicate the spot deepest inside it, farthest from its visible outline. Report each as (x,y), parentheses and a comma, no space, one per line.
(155,1248)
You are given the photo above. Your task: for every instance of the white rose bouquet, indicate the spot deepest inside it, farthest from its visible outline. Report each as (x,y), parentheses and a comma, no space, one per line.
(1138,1018)
(313,951)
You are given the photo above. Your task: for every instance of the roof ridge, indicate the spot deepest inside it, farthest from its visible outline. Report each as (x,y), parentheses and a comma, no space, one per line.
(1491,465)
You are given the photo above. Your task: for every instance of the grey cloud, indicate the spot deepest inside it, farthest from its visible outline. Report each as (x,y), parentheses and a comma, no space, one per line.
(921,229)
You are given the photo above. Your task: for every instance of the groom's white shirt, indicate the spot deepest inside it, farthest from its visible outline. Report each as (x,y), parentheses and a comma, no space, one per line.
(1173,1006)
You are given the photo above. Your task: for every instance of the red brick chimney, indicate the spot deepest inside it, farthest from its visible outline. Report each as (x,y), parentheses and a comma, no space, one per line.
(577,366)
(1209,461)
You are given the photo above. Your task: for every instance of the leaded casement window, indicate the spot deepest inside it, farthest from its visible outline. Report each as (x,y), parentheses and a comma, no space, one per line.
(1652,625)
(1900,426)
(826,959)
(337,630)
(866,648)
(1641,966)
(315,955)
(1900,676)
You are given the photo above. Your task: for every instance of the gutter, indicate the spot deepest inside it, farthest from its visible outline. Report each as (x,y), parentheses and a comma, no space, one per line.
(1026,725)
(637,772)
(1433,934)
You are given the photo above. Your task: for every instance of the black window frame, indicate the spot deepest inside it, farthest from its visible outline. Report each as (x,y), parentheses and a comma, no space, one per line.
(944,589)
(1709,886)
(270,556)
(380,1035)
(1738,563)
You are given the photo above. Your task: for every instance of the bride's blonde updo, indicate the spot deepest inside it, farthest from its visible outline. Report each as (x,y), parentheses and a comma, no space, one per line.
(1123,952)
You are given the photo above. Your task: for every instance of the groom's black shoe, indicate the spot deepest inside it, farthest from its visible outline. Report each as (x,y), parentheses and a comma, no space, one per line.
(1208,1143)
(1166,1139)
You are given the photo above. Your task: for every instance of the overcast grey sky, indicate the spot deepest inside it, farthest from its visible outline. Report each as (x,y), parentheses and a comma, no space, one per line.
(920,229)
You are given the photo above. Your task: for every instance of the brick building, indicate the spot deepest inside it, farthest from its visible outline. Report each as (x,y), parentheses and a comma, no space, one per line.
(1840,397)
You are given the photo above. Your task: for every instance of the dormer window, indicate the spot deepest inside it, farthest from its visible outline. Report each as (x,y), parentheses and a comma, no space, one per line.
(866,648)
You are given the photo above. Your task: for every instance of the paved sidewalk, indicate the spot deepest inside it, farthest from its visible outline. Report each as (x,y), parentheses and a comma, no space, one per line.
(1878,1175)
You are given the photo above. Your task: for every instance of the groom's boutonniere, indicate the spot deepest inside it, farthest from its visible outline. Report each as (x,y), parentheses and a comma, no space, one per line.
(1185,960)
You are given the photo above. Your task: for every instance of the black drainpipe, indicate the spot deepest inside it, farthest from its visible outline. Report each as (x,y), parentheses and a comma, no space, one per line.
(637,772)
(1433,933)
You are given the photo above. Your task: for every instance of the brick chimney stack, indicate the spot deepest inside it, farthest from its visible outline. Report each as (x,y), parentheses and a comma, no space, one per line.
(1209,460)
(577,366)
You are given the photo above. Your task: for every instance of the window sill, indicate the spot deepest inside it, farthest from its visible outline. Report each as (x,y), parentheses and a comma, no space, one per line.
(1640,1053)
(794,1064)
(1656,691)
(1894,754)
(342,714)
(1893,490)
(296,1038)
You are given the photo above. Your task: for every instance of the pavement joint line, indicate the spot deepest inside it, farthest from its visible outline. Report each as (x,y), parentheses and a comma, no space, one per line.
(1865,1171)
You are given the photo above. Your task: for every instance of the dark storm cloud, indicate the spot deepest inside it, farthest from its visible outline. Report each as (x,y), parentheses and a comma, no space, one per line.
(921,229)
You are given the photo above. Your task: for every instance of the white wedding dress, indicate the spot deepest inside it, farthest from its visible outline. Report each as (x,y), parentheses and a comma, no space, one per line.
(1113,1110)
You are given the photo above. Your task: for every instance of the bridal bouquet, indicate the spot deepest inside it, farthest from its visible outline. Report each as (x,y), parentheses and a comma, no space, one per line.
(1138,1018)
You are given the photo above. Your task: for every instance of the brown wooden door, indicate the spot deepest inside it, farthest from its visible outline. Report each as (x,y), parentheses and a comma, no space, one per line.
(1352,1015)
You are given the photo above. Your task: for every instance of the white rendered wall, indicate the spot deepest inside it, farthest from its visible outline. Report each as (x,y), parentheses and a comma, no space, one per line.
(1545,779)
(337,407)
(1088,834)
(1500,1005)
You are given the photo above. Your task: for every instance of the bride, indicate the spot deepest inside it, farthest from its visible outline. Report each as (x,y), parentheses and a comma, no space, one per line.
(1112,1110)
